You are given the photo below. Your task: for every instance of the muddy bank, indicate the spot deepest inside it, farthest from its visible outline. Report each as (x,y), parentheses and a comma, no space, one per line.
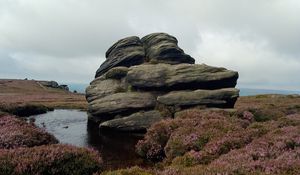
(26,109)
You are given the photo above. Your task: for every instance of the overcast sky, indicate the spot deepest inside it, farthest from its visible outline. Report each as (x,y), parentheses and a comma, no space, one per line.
(65,40)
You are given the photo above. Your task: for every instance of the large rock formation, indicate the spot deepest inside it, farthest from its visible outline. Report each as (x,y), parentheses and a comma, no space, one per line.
(145,80)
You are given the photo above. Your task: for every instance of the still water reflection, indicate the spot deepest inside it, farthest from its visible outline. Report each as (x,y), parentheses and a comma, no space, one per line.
(70,127)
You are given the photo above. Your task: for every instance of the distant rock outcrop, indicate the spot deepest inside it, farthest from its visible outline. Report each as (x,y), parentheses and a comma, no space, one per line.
(145,80)
(53,84)
(64,87)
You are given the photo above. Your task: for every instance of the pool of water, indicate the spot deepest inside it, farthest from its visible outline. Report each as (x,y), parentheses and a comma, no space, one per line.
(70,127)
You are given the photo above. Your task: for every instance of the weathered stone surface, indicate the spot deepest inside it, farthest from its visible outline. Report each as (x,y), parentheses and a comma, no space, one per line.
(153,74)
(126,52)
(163,48)
(182,76)
(137,122)
(224,98)
(116,73)
(100,89)
(122,103)
(109,83)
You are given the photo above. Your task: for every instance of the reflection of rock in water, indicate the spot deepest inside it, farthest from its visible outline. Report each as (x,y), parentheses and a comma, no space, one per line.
(117,149)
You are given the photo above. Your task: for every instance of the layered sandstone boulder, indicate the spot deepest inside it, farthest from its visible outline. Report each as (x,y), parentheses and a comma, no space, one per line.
(145,80)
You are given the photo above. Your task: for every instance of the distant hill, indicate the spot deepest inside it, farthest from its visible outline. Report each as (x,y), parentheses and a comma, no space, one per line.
(249,92)
(21,92)
(28,86)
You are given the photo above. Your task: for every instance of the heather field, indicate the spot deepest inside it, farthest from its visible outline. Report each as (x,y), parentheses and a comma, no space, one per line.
(260,136)
(18,94)
(52,159)
(16,133)
(26,149)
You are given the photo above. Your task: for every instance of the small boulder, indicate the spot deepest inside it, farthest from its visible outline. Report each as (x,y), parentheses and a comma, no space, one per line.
(137,122)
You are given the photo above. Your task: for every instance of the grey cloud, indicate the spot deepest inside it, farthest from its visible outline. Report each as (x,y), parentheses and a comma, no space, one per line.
(258,38)
(63,28)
